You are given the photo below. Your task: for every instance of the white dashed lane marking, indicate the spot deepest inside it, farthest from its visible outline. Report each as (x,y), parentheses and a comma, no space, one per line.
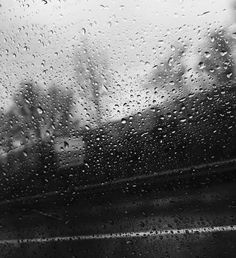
(156,233)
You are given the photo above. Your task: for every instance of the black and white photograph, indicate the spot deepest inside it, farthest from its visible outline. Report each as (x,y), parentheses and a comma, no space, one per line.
(118,128)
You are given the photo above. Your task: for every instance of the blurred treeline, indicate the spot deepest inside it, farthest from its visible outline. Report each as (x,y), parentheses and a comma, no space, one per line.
(36,115)
(40,115)
(213,65)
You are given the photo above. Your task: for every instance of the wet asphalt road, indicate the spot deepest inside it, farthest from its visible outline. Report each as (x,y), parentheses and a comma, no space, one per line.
(192,220)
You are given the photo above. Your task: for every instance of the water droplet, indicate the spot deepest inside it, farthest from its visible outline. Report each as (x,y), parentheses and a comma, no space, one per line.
(40,110)
(201,65)
(183,120)
(123,121)
(84,31)
(207,54)
(66,144)
(223,53)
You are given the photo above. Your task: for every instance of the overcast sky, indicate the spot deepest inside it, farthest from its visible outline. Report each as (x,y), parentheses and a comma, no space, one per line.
(38,38)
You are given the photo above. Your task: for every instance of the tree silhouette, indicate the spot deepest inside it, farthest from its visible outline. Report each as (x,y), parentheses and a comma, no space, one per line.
(11,129)
(217,58)
(92,75)
(37,115)
(58,107)
(169,74)
(24,119)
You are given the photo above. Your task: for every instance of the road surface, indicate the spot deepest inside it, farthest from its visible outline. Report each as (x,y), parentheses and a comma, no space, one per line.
(148,217)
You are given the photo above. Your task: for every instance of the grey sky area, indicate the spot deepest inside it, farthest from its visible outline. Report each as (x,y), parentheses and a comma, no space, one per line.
(39,41)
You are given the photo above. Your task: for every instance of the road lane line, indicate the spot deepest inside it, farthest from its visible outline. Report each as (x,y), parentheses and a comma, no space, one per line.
(37,197)
(150,233)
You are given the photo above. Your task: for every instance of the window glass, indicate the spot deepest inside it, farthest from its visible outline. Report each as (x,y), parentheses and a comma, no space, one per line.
(114,89)
(117,128)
